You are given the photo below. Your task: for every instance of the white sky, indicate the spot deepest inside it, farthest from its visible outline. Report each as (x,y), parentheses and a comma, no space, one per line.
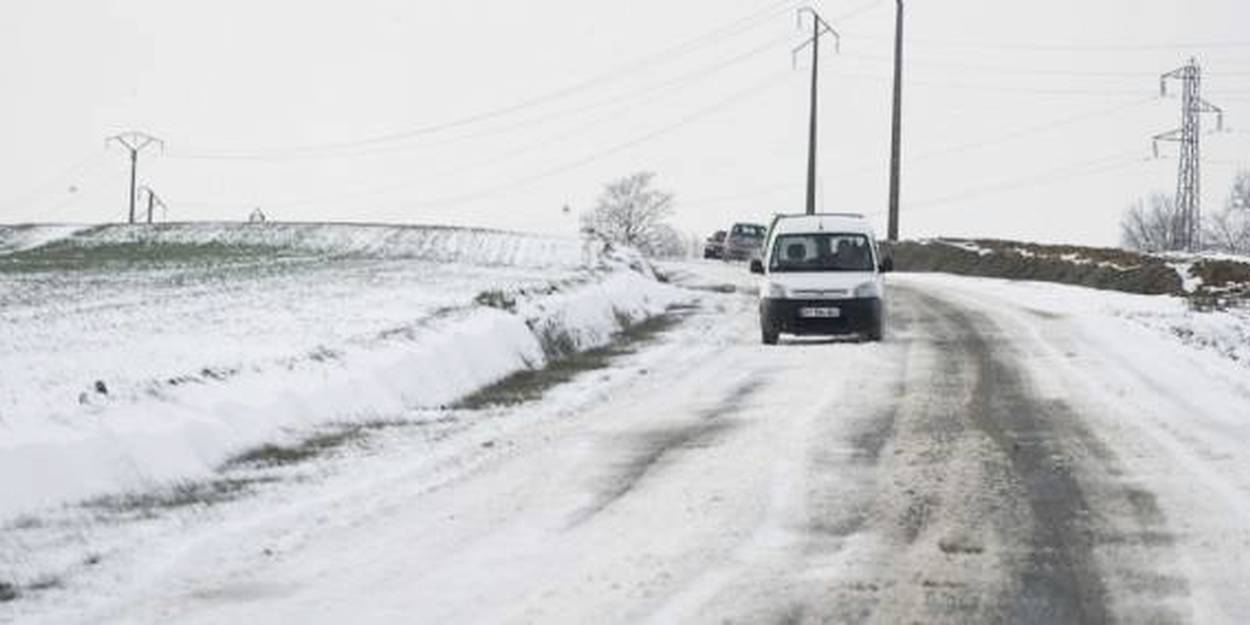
(1025,120)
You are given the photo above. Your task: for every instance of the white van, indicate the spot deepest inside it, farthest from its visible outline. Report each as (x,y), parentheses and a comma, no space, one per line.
(822,275)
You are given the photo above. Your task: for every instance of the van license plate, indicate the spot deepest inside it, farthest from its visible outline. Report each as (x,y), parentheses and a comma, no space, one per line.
(820,313)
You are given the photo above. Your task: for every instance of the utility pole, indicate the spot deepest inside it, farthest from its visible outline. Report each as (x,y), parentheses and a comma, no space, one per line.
(134,142)
(819,27)
(1188,177)
(896,125)
(154,201)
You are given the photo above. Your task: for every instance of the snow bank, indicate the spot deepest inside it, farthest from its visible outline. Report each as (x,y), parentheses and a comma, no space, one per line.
(200,365)
(187,433)
(1222,333)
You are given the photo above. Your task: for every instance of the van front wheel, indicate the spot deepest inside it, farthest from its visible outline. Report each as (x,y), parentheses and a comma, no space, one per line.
(876,332)
(769,337)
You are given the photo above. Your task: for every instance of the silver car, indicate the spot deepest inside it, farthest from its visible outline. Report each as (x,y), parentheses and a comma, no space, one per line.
(744,241)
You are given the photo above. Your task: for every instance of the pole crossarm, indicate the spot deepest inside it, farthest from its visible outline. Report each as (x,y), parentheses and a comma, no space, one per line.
(136,141)
(821,28)
(1171,135)
(1202,106)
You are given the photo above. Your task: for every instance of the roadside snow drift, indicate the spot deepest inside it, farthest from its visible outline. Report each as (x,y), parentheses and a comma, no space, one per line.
(132,356)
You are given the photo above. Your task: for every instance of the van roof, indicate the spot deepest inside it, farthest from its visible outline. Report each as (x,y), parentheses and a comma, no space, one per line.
(823,222)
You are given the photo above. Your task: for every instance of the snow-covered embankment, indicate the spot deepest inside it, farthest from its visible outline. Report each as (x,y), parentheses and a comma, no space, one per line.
(359,323)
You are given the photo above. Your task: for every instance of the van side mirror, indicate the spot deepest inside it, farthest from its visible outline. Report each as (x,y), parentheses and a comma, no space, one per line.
(887,265)
(757,265)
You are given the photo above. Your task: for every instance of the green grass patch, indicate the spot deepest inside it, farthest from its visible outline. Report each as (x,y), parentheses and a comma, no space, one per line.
(496,298)
(151,503)
(566,363)
(70,255)
(45,583)
(269,455)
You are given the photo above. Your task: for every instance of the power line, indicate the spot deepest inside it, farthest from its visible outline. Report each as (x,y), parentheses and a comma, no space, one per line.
(1060,47)
(1079,170)
(763,191)
(696,115)
(1033,129)
(984,87)
(1002,69)
(545,142)
(859,10)
(734,98)
(678,83)
(926,155)
(733,28)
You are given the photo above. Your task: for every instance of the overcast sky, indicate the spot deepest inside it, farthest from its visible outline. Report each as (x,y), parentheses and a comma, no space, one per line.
(1026,120)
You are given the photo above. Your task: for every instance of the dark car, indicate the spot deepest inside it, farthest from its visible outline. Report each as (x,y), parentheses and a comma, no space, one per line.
(714,247)
(744,241)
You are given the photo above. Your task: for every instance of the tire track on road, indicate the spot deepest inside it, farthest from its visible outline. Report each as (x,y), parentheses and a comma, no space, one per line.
(965,496)
(649,449)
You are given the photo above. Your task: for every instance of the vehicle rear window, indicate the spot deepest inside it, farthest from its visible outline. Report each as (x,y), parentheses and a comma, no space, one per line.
(749,230)
(821,252)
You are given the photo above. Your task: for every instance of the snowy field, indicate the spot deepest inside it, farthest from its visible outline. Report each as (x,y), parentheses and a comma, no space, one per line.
(133,356)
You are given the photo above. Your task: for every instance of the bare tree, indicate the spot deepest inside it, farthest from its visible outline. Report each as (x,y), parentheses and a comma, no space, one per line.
(1240,198)
(1229,229)
(667,242)
(632,213)
(1152,226)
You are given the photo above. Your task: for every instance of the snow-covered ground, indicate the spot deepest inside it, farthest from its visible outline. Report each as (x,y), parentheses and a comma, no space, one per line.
(1013,452)
(1223,333)
(179,346)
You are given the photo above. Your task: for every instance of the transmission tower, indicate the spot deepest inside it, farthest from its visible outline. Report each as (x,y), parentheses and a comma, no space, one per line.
(819,27)
(134,142)
(1189,176)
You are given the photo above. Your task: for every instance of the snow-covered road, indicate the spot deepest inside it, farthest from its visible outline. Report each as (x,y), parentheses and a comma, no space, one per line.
(1010,454)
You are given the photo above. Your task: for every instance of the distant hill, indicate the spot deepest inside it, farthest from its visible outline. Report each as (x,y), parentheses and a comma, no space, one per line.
(55,246)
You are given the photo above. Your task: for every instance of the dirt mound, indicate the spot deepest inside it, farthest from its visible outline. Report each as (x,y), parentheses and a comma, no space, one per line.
(1100,268)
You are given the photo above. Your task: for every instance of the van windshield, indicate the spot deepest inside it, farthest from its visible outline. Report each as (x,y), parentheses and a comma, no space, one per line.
(821,251)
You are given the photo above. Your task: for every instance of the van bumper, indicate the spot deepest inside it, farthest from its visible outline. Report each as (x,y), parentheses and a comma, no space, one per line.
(855,316)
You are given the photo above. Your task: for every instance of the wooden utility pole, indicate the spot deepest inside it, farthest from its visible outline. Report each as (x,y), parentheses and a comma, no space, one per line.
(819,27)
(896,125)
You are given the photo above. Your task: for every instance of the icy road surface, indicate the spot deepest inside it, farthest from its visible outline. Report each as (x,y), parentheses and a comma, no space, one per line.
(1012,453)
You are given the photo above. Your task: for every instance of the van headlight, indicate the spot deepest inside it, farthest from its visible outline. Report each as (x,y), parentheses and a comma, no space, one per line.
(868,289)
(773,290)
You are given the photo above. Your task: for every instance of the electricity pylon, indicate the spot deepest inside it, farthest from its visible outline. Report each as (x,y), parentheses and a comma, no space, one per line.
(134,142)
(1189,175)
